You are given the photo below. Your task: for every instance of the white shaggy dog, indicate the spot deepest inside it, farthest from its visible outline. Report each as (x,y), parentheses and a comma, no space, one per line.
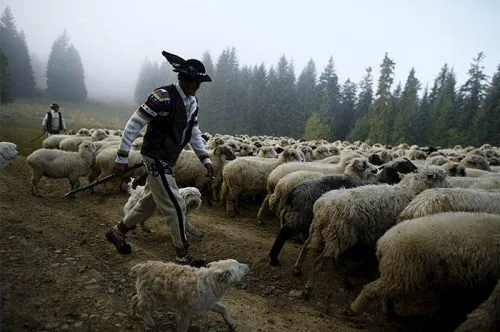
(8,151)
(191,195)
(187,290)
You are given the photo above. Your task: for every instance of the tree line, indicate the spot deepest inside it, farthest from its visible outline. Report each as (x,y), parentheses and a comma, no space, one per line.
(272,101)
(257,100)
(64,74)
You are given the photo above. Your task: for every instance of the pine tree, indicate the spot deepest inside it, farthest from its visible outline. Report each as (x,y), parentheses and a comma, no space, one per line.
(329,96)
(486,122)
(471,96)
(382,107)
(272,96)
(346,115)
(39,69)
(256,101)
(307,100)
(363,111)
(408,107)
(245,107)
(5,81)
(442,110)
(225,91)
(206,96)
(316,129)
(13,46)
(65,74)
(147,81)
(78,91)
(422,121)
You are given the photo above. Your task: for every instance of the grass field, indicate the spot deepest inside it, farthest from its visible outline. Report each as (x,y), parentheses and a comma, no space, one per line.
(20,122)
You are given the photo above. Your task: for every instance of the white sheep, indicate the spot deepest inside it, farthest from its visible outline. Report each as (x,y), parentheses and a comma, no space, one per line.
(53,141)
(191,196)
(357,168)
(189,171)
(486,317)
(267,152)
(72,143)
(475,182)
(475,161)
(214,142)
(279,172)
(345,218)
(436,253)
(439,200)
(454,168)
(8,151)
(479,173)
(321,152)
(105,161)
(299,201)
(58,164)
(248,176)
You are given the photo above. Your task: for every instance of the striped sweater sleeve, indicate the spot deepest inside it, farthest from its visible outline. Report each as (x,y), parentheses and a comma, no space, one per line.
(198,144)
(156,101)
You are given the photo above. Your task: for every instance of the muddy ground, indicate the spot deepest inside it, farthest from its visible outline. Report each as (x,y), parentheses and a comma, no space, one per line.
(59,273)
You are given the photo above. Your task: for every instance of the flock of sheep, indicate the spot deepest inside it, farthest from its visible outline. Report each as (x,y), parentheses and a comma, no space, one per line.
(429,216)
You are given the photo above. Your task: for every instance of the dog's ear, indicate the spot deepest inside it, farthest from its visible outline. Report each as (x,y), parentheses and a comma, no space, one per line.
(223,276)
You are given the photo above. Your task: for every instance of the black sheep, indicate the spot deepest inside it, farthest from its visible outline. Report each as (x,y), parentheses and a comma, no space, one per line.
(300,200)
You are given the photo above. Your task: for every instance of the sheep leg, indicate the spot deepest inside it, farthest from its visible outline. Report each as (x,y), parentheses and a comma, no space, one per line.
(285,233)
(311,282)
(230,207)
(133,305)
(388,307)
(35,178)
(142,306)
(300,260)
(263,207)
(369,293)
(221,309)
(183,323)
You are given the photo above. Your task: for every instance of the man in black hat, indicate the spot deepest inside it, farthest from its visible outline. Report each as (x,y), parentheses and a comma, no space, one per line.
(53,122)
(171,115)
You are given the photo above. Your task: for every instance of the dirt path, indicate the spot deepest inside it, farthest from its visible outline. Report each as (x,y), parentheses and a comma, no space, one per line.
(59,273)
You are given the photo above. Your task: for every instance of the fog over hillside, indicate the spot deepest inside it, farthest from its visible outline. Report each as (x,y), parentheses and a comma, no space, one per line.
(115,37)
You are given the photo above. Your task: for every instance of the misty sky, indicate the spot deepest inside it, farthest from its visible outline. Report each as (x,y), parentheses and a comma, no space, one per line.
(114,37)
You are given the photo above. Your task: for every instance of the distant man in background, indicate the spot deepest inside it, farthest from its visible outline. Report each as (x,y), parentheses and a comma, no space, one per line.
(171,116)
(53,122)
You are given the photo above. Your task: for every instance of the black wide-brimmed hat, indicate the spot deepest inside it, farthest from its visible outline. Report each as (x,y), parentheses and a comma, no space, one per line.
(190,67)
(54,105)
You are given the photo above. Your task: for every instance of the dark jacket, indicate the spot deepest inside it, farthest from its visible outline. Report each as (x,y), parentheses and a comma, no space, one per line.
(163,139)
